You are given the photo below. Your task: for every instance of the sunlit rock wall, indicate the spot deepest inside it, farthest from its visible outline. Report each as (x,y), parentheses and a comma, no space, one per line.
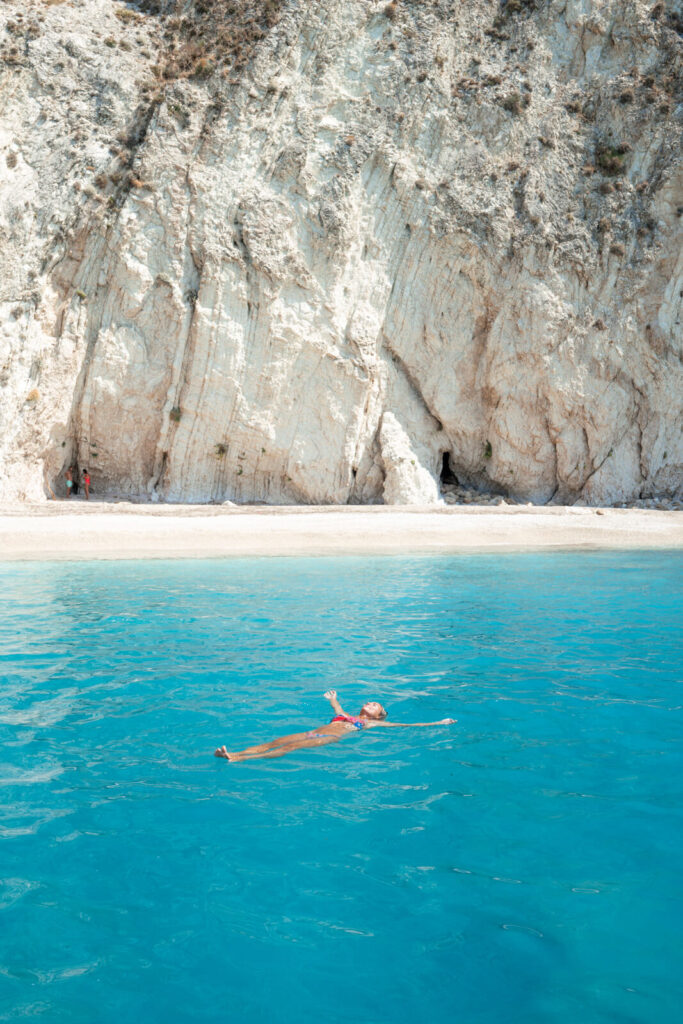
(391,238)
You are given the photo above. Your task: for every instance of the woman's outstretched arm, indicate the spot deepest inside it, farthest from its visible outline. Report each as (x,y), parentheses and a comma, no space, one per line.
(413,725)
(332,697)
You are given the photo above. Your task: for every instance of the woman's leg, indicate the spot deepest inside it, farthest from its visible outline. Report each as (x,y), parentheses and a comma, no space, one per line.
(280,746)
(286,748)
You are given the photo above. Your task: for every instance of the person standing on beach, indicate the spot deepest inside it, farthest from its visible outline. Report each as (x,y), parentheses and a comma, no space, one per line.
(86,484)
(69,481)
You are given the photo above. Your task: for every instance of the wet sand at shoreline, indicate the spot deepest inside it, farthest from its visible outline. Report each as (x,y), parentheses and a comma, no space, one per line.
(77,530)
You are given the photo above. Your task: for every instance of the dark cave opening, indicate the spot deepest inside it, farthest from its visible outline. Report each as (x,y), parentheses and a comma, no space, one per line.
(447,474)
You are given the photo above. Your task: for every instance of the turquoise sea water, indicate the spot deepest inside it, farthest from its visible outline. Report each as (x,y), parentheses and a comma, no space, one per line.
(523,865)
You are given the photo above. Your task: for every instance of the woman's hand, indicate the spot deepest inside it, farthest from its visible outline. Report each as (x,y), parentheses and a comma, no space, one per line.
(447,721)
(332,697)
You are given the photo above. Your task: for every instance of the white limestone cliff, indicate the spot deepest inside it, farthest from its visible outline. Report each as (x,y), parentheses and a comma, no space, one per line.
(385,240)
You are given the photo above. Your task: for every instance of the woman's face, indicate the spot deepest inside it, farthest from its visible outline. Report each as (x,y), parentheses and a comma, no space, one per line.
(373,710)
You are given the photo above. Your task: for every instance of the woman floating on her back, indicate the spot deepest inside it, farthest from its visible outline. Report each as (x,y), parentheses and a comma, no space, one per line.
(370,716)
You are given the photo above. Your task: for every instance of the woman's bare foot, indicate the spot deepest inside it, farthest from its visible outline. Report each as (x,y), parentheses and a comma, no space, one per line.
(222,752)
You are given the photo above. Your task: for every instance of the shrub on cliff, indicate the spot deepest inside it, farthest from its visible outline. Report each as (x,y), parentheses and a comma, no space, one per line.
(205,35)
(610,158)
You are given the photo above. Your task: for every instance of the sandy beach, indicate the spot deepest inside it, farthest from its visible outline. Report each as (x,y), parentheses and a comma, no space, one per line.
(79,530)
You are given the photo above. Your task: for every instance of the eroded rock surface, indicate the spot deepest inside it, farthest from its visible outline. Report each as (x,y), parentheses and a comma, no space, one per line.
(304,253)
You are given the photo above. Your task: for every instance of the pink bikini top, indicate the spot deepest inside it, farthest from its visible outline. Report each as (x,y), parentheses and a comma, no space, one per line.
(358,723)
